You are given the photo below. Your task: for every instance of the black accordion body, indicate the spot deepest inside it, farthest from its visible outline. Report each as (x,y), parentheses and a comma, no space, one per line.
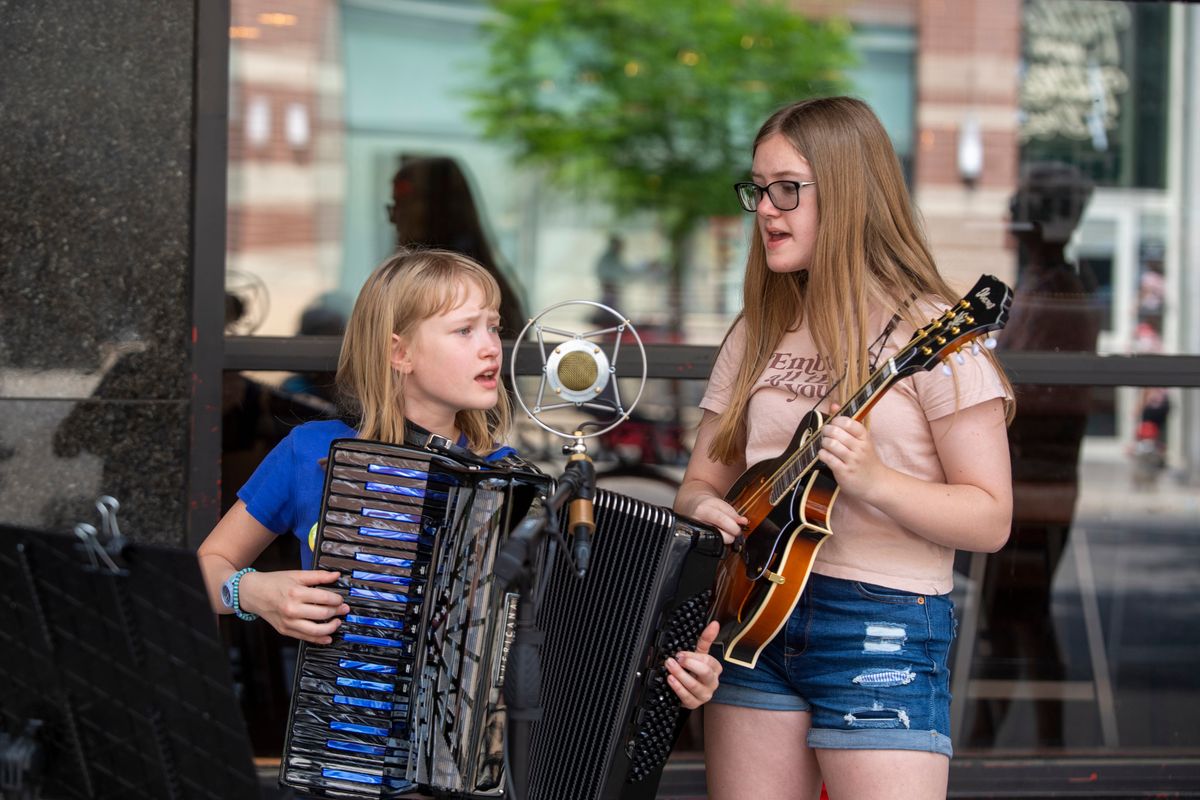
(409,695)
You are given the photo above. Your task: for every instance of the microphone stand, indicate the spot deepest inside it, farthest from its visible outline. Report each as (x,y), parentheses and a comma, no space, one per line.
(581,518)
(515,570)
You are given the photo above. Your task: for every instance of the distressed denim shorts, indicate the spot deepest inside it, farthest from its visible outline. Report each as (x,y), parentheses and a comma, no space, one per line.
(869,663)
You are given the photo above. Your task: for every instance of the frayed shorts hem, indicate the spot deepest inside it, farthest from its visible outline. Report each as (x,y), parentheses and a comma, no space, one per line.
(745,697)
(926,741)
(826,738)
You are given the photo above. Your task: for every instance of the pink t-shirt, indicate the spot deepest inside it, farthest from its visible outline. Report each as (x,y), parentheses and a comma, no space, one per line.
(866,545)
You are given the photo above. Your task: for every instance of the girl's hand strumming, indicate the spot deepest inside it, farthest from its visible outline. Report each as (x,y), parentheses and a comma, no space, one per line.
(713,510)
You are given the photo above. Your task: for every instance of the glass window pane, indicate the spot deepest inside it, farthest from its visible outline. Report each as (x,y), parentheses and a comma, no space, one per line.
(1076,635)
(1045,142)
(356,125)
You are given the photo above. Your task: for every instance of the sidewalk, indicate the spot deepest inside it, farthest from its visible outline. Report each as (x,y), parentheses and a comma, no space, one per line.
(1107,493)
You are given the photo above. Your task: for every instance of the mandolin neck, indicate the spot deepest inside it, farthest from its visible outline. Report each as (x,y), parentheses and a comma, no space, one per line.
(857,407)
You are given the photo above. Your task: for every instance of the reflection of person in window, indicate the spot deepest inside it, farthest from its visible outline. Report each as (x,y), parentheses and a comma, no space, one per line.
(1054,309)
(1154,405)
(433,206)
(611,271)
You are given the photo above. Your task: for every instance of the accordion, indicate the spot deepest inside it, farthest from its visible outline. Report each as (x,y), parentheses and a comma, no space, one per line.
(409,694)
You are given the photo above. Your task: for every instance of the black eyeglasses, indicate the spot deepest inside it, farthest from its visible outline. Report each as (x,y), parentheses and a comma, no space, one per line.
(785,195)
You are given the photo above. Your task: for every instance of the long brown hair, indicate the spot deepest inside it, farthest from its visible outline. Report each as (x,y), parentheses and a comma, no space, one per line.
(870,252)
(409,287)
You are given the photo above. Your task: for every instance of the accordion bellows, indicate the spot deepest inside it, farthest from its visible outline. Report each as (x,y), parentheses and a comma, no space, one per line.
(409,694)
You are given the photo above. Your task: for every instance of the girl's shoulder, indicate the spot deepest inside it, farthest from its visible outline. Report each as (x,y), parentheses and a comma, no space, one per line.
(735,338)
(501,453)
(318,435)
(508,458)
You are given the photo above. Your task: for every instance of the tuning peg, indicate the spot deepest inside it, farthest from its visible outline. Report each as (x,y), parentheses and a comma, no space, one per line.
(989,343)
(946,369)
(959,358)
(975,347)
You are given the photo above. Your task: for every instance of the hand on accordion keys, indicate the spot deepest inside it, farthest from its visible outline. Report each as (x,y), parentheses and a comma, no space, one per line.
(292,602)
(694,675)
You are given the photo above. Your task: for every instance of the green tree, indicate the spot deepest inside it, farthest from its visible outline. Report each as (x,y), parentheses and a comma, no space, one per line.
(652,105)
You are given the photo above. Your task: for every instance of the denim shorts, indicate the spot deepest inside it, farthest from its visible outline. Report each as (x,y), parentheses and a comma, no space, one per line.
(869,663)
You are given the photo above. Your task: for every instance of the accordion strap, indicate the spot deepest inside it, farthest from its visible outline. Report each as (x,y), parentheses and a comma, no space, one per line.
(422,439)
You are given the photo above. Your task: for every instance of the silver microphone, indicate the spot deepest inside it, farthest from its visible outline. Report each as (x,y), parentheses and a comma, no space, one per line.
(576,372)
(578,366)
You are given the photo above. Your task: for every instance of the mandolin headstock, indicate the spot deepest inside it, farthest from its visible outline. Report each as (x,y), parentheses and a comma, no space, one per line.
(980,311)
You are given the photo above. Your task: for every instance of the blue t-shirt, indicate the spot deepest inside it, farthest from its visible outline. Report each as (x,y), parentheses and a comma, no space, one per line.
(284,494)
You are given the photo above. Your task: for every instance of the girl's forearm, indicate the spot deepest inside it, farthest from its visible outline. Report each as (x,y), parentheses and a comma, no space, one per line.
(691,493)
(215,570)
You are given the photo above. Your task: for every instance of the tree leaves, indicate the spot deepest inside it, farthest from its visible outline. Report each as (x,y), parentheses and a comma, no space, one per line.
(654,104)
(651,106)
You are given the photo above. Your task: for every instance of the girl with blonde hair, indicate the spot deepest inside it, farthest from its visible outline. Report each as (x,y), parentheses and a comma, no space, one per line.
(420,349)
(421,352)
(854,690)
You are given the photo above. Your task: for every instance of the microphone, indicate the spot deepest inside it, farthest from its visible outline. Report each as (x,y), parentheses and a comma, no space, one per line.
(579,367)
(577,370)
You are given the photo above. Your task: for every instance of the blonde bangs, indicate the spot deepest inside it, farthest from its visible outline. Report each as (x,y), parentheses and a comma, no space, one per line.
(441,288)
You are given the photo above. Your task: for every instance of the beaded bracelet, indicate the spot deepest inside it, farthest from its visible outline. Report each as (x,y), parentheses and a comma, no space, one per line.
(234,583)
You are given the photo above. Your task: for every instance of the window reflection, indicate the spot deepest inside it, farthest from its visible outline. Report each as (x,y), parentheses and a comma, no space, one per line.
(1076,635)
(325,110)
(1053,309)
(433,205)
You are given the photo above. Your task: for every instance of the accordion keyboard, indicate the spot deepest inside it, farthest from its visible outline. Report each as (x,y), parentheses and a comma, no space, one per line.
(407,694)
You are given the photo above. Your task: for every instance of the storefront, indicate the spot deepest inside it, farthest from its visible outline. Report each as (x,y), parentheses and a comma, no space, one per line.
(1076,656)
(325,132)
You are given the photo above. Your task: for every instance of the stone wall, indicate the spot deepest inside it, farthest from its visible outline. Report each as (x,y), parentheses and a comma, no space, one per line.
(96,190)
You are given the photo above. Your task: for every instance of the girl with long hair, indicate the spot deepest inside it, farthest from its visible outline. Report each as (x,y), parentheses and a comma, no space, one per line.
(854,689)
(421,350)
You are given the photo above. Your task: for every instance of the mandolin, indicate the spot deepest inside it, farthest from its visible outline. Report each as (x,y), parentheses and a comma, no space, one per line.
(788,500)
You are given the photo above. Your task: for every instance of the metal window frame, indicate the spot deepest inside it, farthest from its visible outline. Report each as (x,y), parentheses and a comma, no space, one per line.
(694,362)
(210,163)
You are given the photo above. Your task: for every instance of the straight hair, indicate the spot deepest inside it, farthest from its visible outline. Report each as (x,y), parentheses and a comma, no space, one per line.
(870,251)
(408,288)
